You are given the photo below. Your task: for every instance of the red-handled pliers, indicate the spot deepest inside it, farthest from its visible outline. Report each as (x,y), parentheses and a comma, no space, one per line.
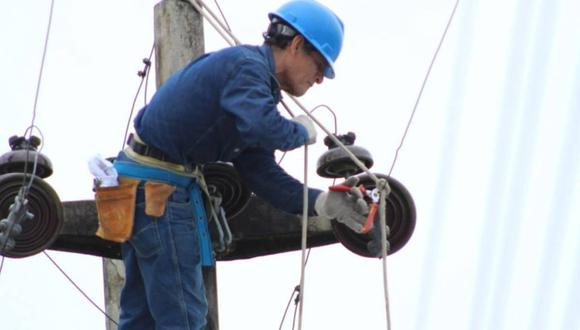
(372,195)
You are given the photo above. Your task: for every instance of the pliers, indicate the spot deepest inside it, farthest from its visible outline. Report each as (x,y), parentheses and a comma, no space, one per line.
(374,233)
(372,197)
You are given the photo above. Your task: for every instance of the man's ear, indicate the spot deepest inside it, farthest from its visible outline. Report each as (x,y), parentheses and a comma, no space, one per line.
(296,43)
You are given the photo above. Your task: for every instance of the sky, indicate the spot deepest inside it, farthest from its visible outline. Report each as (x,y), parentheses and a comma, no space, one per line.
(492,160)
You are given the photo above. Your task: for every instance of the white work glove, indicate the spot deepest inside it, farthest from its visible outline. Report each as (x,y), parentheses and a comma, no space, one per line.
(309,125)
(348,208)
(104,172)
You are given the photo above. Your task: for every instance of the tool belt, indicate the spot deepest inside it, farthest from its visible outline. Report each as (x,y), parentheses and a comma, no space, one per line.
(116,205)
(158,180)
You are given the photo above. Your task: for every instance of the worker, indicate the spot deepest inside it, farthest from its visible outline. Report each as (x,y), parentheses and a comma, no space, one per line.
(222,106)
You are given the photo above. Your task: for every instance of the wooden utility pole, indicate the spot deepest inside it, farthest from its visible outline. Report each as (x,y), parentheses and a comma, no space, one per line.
(178,40)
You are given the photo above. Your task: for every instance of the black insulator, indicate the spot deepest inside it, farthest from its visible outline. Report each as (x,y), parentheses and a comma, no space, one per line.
(336,163)
(22,157)
(43,203)
(223,181)
(400,216)
(346,139)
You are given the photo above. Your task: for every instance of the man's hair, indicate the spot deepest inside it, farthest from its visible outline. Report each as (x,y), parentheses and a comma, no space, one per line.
(280,34)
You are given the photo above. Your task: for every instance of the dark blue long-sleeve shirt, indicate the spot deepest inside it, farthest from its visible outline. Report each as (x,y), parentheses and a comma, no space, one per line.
(222,107)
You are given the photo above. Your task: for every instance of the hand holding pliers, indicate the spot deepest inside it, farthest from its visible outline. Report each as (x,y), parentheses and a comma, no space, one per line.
(372,198)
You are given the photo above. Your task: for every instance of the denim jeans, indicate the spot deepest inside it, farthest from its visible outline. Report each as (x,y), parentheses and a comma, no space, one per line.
(164,286)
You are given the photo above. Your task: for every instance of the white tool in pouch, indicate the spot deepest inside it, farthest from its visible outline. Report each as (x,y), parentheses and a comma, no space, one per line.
(103,171)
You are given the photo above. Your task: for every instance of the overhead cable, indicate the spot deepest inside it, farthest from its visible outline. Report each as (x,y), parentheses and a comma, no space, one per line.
(423,85)
(79,289)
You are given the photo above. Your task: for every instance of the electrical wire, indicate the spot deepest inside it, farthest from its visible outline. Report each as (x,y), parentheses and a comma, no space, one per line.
(36,94)
(311,111)
(295,310)
(78,288)
(2,263)
(25,188)
(223,16)
(143,74)
(28,135)
(334,139)
(423,86)
(286,106)
(35,163)
(42,63)
(215,22)
(295,291)
(304,236)
(384,235)
(147,75)
(329,109)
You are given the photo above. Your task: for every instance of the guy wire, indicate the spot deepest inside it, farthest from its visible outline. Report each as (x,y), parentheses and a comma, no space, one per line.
(423,86)
(78,288)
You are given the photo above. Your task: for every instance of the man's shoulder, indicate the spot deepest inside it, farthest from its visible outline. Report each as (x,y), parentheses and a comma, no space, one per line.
(241,53)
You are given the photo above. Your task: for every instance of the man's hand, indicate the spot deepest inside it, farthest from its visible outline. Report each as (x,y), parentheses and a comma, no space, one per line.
(348,208)
(309,125)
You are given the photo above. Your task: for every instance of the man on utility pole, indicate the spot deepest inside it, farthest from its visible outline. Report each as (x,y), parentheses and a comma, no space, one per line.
(221,106)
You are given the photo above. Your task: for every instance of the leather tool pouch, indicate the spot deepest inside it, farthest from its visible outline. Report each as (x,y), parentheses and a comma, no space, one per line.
(116,210)
(156,195)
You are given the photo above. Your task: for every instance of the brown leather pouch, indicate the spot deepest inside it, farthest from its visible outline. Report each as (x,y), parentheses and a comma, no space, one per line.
(116,210)
(156,195)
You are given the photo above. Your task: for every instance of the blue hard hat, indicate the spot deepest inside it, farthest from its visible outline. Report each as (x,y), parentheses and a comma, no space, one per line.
(318,24)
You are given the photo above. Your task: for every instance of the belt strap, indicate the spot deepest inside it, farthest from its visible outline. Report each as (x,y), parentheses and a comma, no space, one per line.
(146,150)
(144,172)
(140,152)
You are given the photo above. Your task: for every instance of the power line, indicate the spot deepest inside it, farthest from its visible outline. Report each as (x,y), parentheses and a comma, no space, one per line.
(78,288)
(144,74)
(42,63)
(423,86)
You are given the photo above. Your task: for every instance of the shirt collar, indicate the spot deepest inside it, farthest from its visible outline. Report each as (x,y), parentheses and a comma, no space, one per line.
(266,51)
(269,55)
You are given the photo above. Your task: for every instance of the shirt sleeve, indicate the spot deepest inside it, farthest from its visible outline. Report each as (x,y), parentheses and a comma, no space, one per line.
(263,176)
(248,97)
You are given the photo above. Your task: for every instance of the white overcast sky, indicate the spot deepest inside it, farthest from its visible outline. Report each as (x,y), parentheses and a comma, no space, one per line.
(492,160)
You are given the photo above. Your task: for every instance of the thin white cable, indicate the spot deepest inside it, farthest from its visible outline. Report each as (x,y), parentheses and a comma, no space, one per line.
(215,22)
(423,85)
(288,109)
(35,163)
(25,188)
(337,141)
(335,121)
(42,63)
(304,237)
(32,125)
(222,15)
(384,234)
(222,24)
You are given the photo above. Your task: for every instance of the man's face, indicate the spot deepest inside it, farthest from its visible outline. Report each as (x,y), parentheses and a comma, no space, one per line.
(306,67)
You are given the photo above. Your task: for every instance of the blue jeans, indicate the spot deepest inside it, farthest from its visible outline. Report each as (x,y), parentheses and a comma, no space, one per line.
(164,286)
